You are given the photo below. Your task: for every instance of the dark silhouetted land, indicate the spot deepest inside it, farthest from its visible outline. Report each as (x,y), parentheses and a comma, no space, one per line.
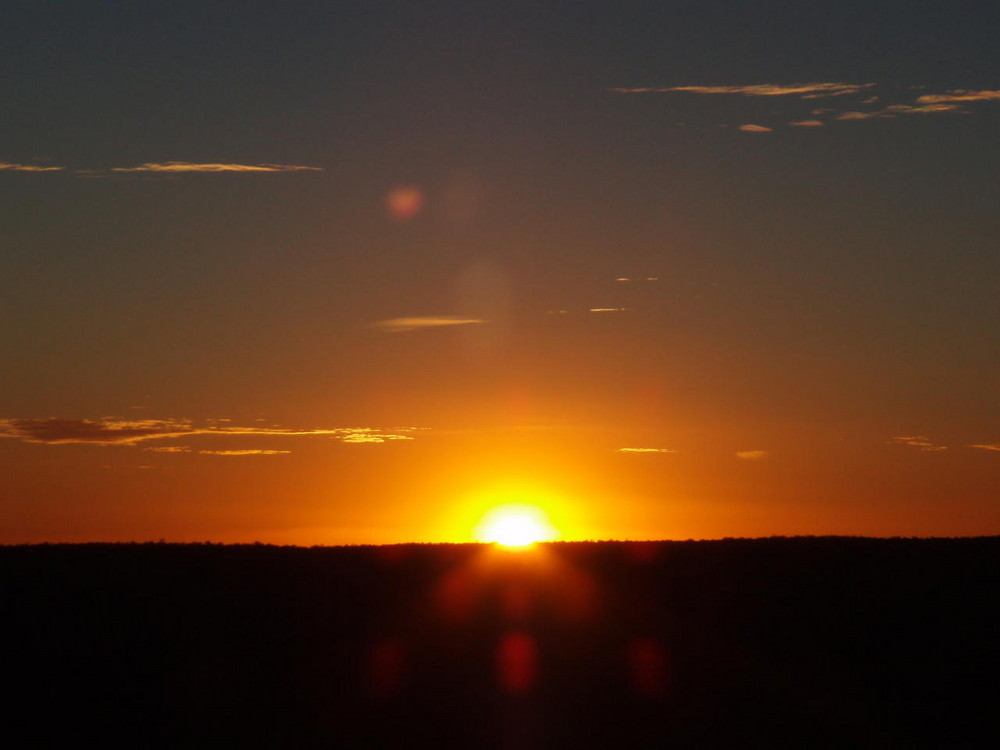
(785,642)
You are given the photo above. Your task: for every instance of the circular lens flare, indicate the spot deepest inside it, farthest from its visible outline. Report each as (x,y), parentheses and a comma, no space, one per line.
(516,525)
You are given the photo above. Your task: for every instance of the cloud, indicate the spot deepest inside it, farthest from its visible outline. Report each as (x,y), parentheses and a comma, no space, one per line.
(372,436)
(646,450)
(804,90)
(175,167)
(169,449)
(960,95)
(97,431)
(113,431)
(167,167)
(752,455)
(920,442)
(607,309)
(987,446)
(859,115)
(924,104)
(402,325)
(243,453)
(924,109)
(8,167)
(900,109)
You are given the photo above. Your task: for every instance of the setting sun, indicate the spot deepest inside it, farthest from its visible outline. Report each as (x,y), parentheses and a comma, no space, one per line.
(500,375)
(516,526)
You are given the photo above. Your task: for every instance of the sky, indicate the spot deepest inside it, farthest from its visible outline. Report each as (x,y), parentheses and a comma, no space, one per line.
(354,272)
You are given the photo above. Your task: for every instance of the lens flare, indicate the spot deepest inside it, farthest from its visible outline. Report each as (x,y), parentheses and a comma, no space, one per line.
(404,202)
(516,525)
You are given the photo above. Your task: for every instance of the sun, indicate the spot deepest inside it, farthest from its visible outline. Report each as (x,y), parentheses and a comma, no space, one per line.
(515,525)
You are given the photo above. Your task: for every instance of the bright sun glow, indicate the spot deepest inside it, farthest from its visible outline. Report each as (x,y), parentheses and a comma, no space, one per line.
(516,526)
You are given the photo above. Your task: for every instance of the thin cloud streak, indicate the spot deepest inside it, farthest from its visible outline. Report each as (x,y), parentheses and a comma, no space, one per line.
(814,90)
(96,431)
(960,95)
(169,167)
(112,431)
(920,442)
(987,446)
(402,325)
(10,167)
(868,107)
(752,455)
(174,167)
(250,452)
(900,109)
(372,437)
(646,450)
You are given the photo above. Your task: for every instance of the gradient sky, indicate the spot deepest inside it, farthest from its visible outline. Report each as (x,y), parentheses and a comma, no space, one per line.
(351,272)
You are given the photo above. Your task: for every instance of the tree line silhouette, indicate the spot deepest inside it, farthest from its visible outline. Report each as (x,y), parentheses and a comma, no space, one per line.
(780,642)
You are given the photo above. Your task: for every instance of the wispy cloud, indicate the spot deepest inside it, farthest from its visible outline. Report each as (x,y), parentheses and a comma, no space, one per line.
(864,104)
(960,95)
(402,325)
(240,452)
(859,115)
(920,442)
(114,431)
(9,167)
(174,167)
(243,453)
(900,109)
(372,436)
(646,450)
(105,431)
(987,446)
(607,309)
(167,167)
(922,109)
(804,90)
(754,455)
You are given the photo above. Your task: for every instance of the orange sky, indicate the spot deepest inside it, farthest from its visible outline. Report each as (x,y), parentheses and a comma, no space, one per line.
(435,487)
(338,273)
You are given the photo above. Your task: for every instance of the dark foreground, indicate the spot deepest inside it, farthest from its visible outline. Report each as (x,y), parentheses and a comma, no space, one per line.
(798,643)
